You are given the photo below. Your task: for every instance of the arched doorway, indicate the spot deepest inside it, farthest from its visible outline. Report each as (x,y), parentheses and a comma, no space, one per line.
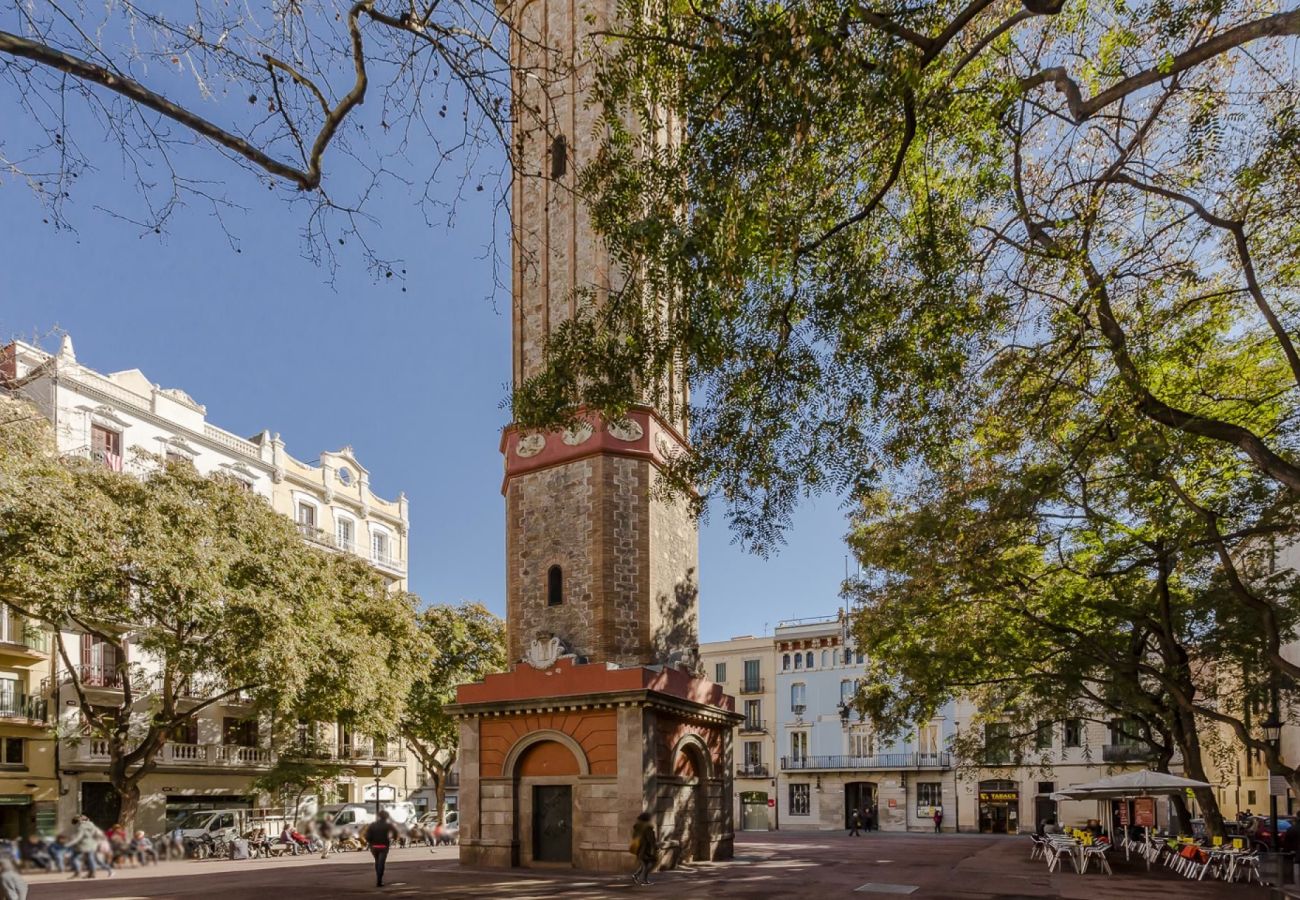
(545,768)
(859,795)
(690,819)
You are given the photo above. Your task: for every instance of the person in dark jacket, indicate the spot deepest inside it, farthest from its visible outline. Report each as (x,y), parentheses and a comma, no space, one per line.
(645,847)
(855,823)
(380,836)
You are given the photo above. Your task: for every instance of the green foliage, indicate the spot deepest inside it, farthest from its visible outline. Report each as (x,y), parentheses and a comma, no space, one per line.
(292,779)
(206,582)
(459,645)
(868,204)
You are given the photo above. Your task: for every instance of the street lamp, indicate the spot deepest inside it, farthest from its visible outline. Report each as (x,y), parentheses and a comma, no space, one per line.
(377,770)
(1272,729)
(844,715)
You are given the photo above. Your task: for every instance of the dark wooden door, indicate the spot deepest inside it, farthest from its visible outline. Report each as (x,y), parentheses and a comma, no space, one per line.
(552,823)
(101,803)
(859,795)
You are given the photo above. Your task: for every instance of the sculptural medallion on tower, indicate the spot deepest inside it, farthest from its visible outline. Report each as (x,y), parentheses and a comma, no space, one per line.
(603,714)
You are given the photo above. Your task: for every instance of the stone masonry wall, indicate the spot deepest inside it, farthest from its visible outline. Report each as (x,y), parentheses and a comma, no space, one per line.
(550,520)
(674,554)
(624,547)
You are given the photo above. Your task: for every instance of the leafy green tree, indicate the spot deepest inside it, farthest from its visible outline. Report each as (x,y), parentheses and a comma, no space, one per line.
(291,780)
(1049,568)
(868,203)
(459,644)
(215,594)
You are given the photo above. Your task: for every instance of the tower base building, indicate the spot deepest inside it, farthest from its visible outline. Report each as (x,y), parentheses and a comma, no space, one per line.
(558,759)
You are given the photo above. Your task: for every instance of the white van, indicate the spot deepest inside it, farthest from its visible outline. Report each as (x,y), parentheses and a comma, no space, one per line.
(362,814)
(214,823)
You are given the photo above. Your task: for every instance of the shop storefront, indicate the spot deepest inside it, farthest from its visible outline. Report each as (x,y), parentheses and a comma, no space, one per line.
(999,805)
(17,815)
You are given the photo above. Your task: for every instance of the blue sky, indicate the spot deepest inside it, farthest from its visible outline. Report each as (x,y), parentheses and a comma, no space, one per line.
(413,380)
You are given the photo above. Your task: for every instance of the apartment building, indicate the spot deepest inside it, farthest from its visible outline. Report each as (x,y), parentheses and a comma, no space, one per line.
(29,787)
(1007,791)
(110,417)
(831,763)
(806,759)
(744,666)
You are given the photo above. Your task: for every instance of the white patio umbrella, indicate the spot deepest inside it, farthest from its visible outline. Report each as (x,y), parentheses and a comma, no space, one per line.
(1133,784)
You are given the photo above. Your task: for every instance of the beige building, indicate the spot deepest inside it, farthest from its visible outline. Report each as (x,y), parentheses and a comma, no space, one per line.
(109,417)
(29,787)
(745,667)
(335,508)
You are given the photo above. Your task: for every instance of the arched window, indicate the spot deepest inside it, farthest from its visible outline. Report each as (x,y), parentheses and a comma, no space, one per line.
(859,658)
(846,691)
(798,660)
(808,659)
(554,586)
(848,656)
(785,663)
(826,658)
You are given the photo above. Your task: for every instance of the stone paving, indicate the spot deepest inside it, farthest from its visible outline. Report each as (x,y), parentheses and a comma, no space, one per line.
(819,866)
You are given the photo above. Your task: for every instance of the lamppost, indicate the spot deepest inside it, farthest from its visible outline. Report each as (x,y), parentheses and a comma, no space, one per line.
(377,770)
(1272,729)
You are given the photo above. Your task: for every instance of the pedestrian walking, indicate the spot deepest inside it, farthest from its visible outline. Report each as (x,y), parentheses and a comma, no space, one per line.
(645,847)
(86,840)
(11,883)
(380,836)
(870,818)
(326,837)
(938,819)
(855,822)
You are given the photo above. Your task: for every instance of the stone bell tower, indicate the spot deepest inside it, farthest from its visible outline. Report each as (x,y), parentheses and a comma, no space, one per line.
(594,556)
(602,715)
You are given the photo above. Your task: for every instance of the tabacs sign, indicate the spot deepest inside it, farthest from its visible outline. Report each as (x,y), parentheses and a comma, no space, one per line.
(999,796)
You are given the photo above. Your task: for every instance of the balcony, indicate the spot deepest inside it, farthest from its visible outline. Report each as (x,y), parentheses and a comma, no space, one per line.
(880,761)
(23,709)
(753,726)
(752,686)
(754,770)
(95,677)
(95,751)
(23,643)
(385,561)
(1125,753)
(392,753)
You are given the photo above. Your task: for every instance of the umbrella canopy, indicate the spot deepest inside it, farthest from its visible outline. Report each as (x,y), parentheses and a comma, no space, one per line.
(1133,784)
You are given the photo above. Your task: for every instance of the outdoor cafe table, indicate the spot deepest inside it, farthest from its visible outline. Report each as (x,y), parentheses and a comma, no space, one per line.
(1232,855)
(1074,845)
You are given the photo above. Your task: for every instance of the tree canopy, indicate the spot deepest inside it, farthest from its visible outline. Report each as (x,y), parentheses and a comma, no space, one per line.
(868,204)
(459,645)
(196,593)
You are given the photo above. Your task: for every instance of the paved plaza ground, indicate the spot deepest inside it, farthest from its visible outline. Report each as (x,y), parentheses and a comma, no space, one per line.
(818,866)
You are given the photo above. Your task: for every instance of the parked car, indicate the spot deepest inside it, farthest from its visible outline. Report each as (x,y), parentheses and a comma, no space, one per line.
(1260,830)
(449,817)
(445,832)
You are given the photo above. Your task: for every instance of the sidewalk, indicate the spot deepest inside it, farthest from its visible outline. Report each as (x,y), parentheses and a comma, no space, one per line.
(817,865)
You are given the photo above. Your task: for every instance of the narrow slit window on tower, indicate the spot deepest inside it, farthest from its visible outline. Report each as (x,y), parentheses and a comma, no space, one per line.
(559,156)
(554,586)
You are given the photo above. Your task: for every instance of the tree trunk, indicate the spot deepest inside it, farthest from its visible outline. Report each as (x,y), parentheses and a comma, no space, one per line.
(129,793)
(1180,812)
(1190,743)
